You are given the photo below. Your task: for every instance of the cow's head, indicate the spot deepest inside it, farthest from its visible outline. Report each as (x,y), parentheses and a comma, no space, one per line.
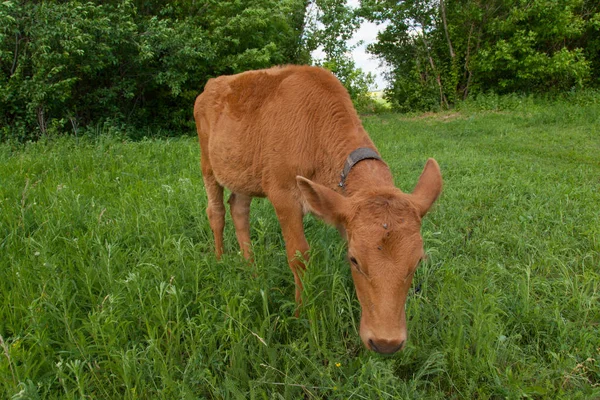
(384,248)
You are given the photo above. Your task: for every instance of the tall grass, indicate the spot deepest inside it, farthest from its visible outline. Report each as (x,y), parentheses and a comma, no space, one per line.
(109,288)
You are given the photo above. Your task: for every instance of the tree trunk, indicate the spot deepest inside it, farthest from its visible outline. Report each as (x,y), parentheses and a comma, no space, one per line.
(443,100)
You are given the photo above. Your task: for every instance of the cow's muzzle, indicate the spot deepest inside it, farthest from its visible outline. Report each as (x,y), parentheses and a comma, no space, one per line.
(385,346)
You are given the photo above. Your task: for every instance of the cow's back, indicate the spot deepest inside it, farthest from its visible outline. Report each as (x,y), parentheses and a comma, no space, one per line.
(262,128)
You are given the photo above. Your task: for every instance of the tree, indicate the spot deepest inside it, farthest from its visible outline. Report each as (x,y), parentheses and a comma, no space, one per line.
(441,51)
(137,65)
(332,26)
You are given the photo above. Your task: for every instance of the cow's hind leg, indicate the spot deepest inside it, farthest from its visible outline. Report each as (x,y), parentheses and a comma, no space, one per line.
(289,213)
(240,213)
(215,208)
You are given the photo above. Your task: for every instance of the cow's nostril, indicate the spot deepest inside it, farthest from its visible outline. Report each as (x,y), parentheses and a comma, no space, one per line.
(373,347)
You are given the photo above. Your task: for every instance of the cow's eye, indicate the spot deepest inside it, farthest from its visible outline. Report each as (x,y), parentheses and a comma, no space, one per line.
(357,267)
(355,264)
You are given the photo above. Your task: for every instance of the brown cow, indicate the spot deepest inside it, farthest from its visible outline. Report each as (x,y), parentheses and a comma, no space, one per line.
(287,133)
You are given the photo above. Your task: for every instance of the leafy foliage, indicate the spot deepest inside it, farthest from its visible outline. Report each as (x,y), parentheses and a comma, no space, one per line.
(64,65)
(333,26)
(441,51)
(138,65)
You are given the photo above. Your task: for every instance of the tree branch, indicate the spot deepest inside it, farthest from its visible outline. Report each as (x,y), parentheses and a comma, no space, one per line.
(443,12)
(14,64)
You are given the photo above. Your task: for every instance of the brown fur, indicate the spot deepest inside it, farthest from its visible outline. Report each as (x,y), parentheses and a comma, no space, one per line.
(285,133)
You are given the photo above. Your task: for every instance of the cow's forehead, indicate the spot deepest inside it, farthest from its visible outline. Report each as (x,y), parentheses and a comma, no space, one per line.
(388,210)
(391,241)
(386,224)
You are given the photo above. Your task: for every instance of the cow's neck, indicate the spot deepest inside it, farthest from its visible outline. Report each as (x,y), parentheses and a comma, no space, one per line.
(366,175)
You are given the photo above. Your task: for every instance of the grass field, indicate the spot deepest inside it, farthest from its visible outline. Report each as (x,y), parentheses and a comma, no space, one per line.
(109,289)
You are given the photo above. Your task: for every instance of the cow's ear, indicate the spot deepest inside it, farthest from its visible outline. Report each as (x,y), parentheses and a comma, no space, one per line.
(428,188)
(325,203)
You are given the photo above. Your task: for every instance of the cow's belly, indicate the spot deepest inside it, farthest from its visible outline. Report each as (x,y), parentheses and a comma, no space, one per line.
(235,163)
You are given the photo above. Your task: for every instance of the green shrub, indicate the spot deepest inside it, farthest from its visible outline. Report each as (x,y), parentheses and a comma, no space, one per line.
(68,65)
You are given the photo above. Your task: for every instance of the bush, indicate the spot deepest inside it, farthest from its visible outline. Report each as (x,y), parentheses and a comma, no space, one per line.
(65,66)
(441,52)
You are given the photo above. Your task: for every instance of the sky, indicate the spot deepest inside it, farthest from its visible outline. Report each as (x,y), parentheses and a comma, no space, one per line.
(368,63)
(368,34)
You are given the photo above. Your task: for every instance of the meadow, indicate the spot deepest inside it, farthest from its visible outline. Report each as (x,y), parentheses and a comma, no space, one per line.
(109,287)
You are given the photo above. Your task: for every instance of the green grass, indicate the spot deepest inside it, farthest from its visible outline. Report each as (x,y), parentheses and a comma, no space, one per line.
(109,289)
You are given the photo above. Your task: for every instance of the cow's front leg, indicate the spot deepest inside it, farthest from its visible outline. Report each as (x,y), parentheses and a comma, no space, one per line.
(289,213)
